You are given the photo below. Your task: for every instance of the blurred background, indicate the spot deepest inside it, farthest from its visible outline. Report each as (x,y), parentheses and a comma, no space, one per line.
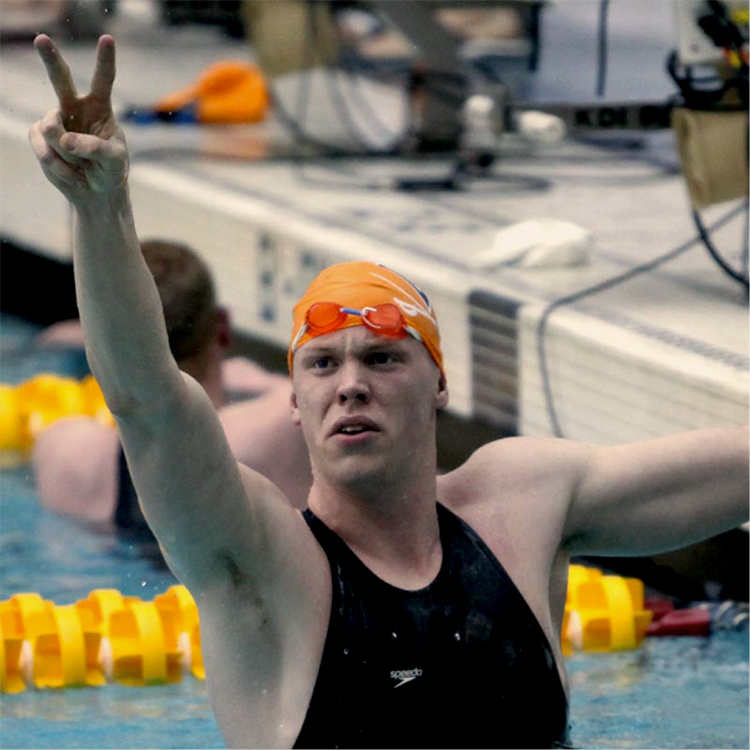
(566,179)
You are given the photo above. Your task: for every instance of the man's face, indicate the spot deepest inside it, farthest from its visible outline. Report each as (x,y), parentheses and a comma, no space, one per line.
(366,403)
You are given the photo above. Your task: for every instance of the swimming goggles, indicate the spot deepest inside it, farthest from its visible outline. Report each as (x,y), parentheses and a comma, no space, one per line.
(385,319)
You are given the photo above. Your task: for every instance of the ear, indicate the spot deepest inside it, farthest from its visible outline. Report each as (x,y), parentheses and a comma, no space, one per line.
(223,327)
(442,393)
(294,409)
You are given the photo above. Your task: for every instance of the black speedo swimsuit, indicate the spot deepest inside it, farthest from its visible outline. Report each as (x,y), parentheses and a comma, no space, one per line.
(462,663)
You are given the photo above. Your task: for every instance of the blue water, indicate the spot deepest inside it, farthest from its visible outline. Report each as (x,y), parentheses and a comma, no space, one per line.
(671,693)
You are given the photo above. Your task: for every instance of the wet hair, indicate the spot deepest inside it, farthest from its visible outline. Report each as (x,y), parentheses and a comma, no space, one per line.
(187,294)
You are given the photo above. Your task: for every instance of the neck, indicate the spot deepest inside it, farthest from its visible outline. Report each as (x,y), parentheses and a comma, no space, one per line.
(392,528)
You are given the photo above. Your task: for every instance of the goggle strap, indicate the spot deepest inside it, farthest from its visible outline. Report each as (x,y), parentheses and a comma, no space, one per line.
(414,332)
(302,331)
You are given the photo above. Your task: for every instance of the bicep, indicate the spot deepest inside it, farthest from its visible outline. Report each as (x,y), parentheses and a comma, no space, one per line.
(660,494)
(185,476)
(213,518)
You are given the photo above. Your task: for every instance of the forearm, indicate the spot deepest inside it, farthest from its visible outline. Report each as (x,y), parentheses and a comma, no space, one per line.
(121,313)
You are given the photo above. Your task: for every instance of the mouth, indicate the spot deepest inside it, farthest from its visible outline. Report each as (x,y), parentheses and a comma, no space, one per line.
(352,427)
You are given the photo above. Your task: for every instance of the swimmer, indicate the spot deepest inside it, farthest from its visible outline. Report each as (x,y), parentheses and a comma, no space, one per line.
(78,462)
(400,609)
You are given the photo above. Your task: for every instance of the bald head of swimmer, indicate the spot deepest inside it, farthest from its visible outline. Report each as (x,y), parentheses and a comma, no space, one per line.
(367,368)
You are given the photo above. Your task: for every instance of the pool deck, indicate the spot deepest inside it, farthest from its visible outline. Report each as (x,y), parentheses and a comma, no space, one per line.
(662,352)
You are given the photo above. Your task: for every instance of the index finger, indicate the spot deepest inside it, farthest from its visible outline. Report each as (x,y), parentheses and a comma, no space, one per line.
(104,72)
(58,71)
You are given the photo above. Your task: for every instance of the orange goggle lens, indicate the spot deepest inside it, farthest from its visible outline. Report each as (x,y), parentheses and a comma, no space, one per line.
(386,319)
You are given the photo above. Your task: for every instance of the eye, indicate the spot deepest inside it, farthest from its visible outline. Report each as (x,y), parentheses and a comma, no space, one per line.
(379,358)
(321,363)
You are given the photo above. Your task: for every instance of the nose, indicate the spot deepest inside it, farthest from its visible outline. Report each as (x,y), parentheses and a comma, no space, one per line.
(352,385)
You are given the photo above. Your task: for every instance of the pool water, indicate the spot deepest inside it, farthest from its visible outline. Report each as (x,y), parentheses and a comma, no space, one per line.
(172,716)
(671,693)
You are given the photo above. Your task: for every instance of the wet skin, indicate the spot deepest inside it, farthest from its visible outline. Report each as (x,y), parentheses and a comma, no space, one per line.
(367,405)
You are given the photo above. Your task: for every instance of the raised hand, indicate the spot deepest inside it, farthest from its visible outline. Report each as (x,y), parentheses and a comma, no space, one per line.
(80,146)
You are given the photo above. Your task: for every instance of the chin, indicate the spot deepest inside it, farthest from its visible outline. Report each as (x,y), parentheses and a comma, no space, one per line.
(359,473)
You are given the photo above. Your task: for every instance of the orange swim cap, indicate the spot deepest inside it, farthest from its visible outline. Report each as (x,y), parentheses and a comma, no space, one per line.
(360,284)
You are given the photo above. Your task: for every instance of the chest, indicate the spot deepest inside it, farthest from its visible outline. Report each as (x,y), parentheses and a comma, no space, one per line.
(463,647)
(471,613)
(523,533)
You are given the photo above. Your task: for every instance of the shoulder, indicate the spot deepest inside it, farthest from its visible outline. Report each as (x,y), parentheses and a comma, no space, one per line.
(83,437)
(67,333)
(521,462)
(75,468)
(261,435)
(517,480)
(243,376)
(516,493)
(270,409)
(271,544)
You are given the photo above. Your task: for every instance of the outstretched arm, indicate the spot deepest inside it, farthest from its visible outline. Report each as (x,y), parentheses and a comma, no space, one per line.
(82,151)
(212,518)
(658,495)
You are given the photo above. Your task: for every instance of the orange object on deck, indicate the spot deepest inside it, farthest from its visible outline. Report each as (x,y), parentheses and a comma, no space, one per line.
(227,92)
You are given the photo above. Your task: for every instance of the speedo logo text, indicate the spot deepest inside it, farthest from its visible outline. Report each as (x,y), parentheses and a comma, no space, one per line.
(405,675)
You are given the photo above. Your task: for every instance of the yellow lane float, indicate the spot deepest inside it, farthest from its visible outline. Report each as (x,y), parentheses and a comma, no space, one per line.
(179,604)
(143,645)
(104,638)
(37,403)
(65,648)
(108,637)
(15,629)
(603,613)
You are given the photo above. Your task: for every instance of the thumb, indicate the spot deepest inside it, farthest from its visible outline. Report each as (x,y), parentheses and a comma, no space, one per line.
(107,152)
(75,143)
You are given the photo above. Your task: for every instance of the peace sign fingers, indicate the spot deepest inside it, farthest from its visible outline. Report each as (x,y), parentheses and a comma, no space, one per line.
(104,72)
(58,71)
(79,145)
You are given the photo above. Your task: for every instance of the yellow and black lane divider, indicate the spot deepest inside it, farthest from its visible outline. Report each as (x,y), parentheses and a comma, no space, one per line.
(108,637)
(104,638)
(37,403)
